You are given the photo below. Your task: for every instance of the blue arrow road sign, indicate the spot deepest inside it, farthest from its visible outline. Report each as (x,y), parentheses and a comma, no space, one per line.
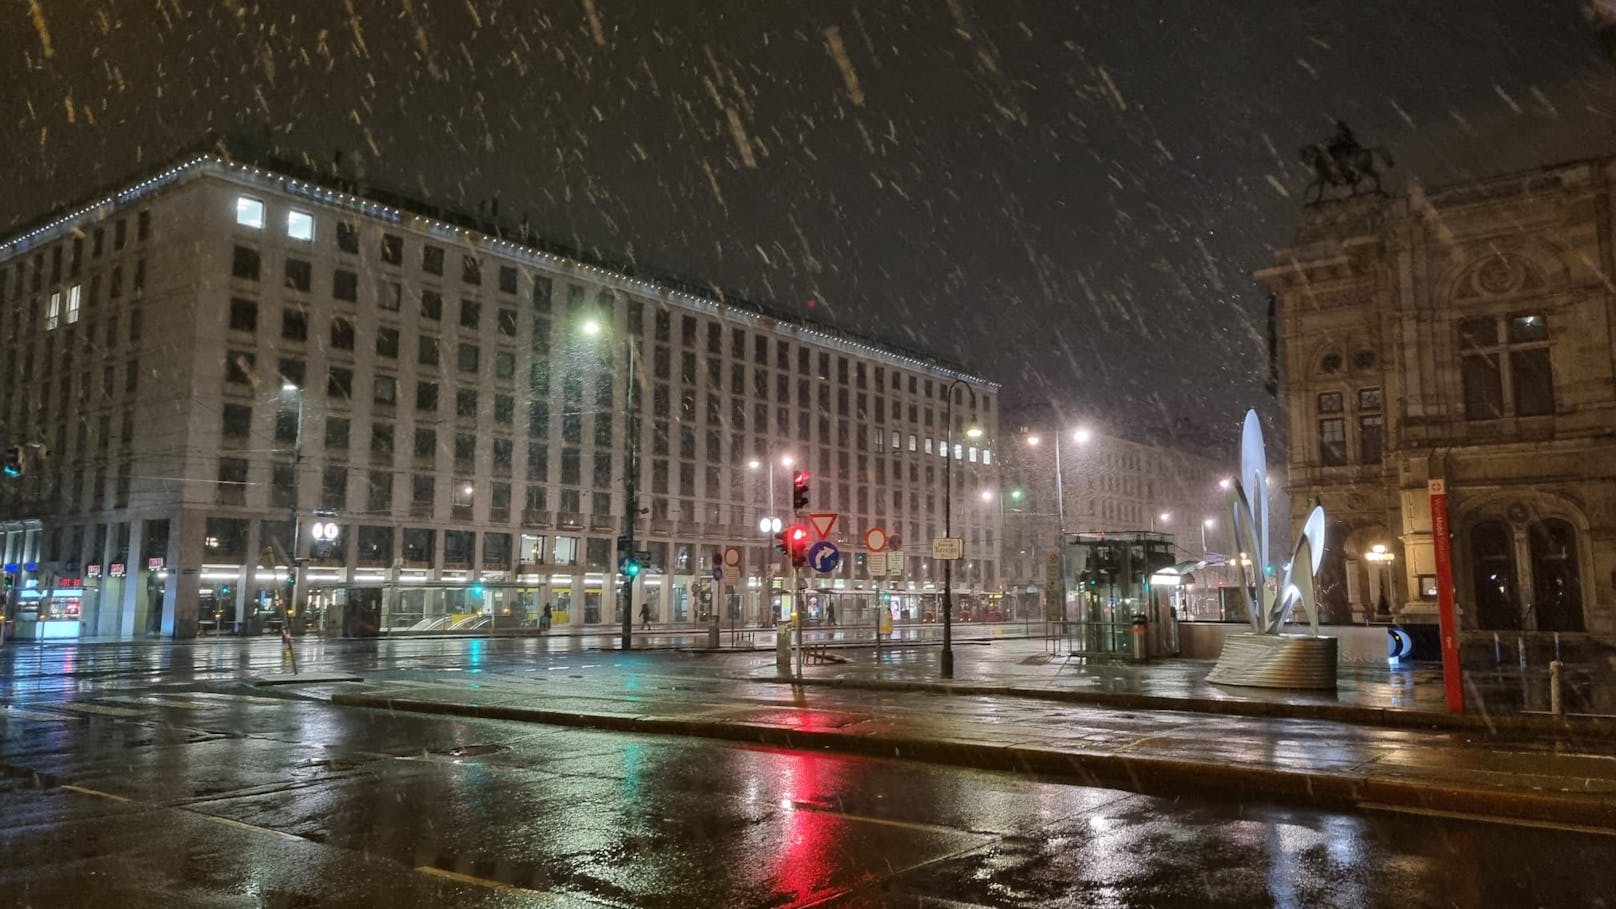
(823,557)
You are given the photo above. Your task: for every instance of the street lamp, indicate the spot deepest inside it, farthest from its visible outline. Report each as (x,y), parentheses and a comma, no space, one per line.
(972,432)
(769,524)
(290,388)
(631,503)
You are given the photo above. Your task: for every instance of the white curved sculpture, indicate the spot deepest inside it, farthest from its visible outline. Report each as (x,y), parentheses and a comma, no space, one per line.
(1264,657)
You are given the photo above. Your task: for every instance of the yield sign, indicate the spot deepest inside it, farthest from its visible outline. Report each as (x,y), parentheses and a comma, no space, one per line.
(823,522)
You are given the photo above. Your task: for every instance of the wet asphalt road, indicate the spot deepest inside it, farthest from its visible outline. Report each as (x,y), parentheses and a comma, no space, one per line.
(150,776)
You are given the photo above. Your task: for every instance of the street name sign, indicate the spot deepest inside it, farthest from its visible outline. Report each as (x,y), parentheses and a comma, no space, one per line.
(948,548)
(876,563)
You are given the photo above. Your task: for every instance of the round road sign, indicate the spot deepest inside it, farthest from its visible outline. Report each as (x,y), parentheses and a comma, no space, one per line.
(875,539)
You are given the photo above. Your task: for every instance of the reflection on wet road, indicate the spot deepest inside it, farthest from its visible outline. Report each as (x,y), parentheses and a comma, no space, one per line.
(222,797)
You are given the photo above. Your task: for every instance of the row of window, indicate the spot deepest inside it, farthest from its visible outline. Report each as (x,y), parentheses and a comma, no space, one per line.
(34,278)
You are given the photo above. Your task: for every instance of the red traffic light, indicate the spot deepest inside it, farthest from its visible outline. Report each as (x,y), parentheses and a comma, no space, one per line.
(800,479)
(796,534)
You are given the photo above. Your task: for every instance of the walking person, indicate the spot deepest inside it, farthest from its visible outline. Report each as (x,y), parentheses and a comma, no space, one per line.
(645,615)
(830,614)
(544,618)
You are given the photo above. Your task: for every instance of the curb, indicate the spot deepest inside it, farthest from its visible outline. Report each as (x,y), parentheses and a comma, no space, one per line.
(1579,725)
(1132,772)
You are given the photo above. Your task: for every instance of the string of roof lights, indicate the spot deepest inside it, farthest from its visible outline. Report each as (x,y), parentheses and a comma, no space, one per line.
(451,233)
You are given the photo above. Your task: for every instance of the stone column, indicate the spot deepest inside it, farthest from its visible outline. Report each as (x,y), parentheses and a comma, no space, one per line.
(133,592)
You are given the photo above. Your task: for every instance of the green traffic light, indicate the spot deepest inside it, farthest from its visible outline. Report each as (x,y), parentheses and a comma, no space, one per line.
(631,569)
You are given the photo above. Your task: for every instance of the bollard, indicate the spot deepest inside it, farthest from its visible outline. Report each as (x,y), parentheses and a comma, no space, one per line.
(782,648)
(1556,701)
(1138,629)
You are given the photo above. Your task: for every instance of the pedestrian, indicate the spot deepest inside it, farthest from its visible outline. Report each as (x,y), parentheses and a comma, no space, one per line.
(830,614)
(544,618)
(645,615)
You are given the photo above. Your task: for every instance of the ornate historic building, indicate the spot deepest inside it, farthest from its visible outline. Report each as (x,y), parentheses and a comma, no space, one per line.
(1466,334)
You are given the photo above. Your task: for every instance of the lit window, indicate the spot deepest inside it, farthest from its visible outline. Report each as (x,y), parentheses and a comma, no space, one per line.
(249,213)
(971,454)
(53,312)
(73,297)
(299,225)
(987,456)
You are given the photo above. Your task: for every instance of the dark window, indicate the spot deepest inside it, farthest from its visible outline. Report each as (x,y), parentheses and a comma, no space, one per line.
(507,322)
(282,485)
(334,487)
(232,481)
(339,383)
(336,433)
(385,390)
(239,367)
(244,264)
(468,357)
(243,315)
(1371,439)
(378,500)
(286,424)
(1492,561)
(471,314)
(465,447)
(345,285)
(294,324)
(391,296)
(143,226)
(432,260)
(423,489)
(299,275)
(342,334)
(426,396)
(431,304)
(1330,402)
(1369,400)
(381,438)
(1332,442)
(392,249)
(504,364)
(237,420)
(387,343)
(507,279)
(541,293)
(1556,577)
(1532,381)
(457,546)
(347,237)
(426,443)
(292,371)
(465,402)
(505,409)
(471,271)
(416,542)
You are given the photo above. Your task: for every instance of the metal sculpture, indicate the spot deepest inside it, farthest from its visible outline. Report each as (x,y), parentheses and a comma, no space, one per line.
(1342,163)
(1265,657)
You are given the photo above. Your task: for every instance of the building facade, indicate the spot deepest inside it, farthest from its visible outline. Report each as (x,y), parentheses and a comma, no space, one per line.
(1466,335)
(1101,483)
(228,368)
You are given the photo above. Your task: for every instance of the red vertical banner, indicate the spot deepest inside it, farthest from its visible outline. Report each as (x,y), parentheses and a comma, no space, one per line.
(1441,541)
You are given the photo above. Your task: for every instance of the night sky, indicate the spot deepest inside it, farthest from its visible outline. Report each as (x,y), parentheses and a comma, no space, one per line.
(1066,197)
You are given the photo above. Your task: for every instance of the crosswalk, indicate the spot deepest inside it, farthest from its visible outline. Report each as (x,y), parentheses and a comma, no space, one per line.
(140,706)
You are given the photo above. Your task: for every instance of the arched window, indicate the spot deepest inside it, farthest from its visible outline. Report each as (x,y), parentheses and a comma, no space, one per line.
(1492,563)
(1556,581)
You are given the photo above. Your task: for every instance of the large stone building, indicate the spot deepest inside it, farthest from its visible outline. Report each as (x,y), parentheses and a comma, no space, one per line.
(1466,334)
(1100,483)
(209,354)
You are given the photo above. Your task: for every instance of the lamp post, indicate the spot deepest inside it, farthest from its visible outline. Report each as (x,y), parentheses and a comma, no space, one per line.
(297,494)
(768,525)
(631,503)
(972,432)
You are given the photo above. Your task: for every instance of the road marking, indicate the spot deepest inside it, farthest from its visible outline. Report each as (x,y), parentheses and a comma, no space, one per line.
(1484,818)
(242,825)
(95,792)
(469,879)
(98,709)
(885,821)
(24,714)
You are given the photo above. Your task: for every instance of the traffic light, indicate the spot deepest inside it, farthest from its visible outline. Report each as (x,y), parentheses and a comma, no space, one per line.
(780,542)
(11,466)
(797,544)
(631,568)
(799,490)
(223,593)
(11,581)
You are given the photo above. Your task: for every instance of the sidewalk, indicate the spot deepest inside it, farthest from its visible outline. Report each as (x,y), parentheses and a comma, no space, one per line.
(1321,762)
(1409,696)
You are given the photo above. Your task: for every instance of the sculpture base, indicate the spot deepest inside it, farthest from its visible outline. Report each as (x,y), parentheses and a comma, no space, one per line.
(1276,661)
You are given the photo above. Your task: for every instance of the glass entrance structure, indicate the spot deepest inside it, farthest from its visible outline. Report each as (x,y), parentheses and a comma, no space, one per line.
(1108,583)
